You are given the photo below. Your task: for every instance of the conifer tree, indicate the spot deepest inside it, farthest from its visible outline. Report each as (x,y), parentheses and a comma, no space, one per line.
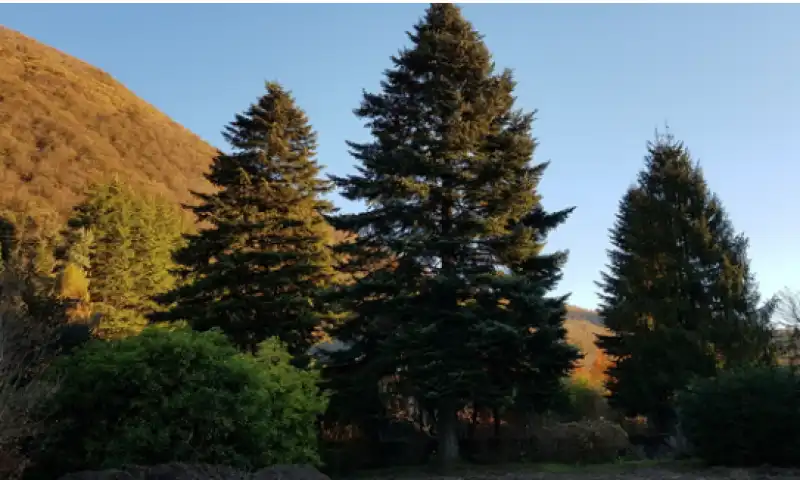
(124,242)
(254,269)
(678,296)
(455,301)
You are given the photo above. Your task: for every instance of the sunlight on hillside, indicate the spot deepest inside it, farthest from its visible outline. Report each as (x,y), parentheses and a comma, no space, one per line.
(582,333)
(65,124)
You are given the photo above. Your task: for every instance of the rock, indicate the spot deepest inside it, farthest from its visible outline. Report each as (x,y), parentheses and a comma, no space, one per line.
(289,472)
(183,471)
(102,475)
(167,471)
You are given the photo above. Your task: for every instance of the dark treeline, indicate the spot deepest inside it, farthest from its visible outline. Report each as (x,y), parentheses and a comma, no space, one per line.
(433,307)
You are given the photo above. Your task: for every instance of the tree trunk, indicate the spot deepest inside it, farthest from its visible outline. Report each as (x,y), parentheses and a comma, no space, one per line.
(447,435)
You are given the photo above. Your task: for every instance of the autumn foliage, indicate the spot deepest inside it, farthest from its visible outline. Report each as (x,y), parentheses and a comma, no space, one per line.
(593,372)
(65,125)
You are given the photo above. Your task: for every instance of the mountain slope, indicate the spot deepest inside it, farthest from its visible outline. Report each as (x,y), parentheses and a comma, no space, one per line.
(578,313)
(65,124)
(583,326)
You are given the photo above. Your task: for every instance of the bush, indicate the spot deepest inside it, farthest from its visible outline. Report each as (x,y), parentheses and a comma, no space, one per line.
(742,418)
(584,442)
(178,396)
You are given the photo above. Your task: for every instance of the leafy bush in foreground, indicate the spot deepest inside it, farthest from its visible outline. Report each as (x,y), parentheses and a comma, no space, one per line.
(184,396)
(747,417)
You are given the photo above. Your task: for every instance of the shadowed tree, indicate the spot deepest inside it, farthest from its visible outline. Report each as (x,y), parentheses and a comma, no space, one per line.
(456,299)
(255,266)
(678,296)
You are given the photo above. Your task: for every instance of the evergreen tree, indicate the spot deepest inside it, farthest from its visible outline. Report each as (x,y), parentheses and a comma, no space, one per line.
(455,299)
(255,267)
(678,296)
(124,243)
(31,241)
(744,336)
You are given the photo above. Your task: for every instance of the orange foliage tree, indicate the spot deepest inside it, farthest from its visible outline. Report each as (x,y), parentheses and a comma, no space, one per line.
(594,372)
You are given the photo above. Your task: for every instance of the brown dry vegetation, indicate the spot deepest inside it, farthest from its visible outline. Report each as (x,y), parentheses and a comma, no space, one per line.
(65,124)
(582,333)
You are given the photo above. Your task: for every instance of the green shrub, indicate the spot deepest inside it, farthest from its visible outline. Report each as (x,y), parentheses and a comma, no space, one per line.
(741,418)
(167,396)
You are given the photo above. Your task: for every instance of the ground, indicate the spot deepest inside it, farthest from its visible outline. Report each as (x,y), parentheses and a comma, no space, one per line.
(621,471)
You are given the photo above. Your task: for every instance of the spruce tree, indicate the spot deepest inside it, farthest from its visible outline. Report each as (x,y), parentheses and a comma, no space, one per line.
(262,252)
(455,301)
(678,297)
(744,333)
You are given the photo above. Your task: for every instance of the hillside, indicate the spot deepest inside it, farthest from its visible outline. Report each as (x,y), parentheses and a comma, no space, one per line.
(65,124)
(582,328)
(578,313)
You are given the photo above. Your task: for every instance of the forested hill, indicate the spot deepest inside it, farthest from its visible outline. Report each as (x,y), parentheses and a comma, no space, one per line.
(65,124)
(577,313)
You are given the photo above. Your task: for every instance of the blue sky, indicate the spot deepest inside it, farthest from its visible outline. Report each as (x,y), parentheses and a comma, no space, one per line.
(726,78)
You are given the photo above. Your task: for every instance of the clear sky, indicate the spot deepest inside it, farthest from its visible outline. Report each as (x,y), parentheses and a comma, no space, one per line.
(726,78)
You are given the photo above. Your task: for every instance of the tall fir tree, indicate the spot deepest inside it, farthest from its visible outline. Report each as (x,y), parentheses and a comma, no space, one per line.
(455,302)
(678,296)
(263,251)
